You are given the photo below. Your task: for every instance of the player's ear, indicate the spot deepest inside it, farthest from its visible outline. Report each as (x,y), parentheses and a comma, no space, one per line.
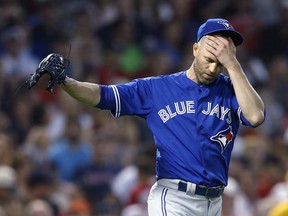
(195,48)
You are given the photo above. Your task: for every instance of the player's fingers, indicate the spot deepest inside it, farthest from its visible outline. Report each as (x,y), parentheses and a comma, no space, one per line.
(225,41)
(218,40)
(212,50)
(210,44)
(221,44)
(216,43)
(210,40)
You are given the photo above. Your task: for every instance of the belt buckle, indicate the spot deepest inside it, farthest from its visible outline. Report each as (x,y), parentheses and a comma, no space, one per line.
(207,189)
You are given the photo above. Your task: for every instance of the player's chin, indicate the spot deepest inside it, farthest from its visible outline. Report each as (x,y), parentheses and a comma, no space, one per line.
(206,80)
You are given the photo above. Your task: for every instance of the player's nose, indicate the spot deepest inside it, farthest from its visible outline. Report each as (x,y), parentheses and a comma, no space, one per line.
(213,67)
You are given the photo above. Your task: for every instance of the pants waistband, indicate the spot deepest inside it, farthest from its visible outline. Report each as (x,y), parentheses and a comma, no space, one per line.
(191,189)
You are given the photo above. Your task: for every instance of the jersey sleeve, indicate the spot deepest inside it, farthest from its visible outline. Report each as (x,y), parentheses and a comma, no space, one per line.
(133,98)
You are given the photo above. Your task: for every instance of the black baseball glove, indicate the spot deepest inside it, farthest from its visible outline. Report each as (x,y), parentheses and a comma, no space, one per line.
(54,65)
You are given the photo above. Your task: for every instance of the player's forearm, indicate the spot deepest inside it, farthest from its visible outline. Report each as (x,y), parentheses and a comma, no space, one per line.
(250,102)
(88,93)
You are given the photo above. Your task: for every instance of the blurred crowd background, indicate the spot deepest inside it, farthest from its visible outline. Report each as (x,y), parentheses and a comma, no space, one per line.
(59,157)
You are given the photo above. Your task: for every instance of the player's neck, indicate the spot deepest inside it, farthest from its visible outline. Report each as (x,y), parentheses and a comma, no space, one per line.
(191,75)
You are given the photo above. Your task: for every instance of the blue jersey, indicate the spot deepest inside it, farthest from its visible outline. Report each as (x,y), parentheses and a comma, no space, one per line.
(194,126)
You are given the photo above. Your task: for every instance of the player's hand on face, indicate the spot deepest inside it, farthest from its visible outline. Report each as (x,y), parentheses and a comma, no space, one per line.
(222,48)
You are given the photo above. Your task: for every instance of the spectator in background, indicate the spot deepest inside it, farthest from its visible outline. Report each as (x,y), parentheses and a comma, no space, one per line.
(139,191)
(38,207)
(37,140)
(276,203)
(45,27)
(20,113)
(94,178)
(79,206)
(39,190)
(108,206)
(267,11)
(278,68)
(231,195)
(134,178)
(170,41)
(17,60)
(146,176)
(7,149)
(243,18)
(10,203)
(255,69)
(109,72)
(70,152)
(276,33)
(84,43)
(36,146)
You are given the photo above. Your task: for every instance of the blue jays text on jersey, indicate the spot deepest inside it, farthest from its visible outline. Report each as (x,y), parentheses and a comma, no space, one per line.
(194,126)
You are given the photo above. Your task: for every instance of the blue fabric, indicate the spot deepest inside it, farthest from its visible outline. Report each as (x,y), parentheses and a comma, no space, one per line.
(194,126)
(212,26)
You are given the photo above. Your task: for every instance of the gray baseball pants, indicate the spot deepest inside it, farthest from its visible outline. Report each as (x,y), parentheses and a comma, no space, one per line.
(166,200)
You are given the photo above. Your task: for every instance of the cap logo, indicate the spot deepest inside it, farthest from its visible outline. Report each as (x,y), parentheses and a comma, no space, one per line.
(226,24)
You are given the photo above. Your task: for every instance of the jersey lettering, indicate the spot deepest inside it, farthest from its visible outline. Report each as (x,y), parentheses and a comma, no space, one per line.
(163,115)
(172,115)
(179,108)
(182,107)
(219,111)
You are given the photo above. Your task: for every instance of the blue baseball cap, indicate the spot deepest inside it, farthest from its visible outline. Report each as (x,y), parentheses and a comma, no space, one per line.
(219,26)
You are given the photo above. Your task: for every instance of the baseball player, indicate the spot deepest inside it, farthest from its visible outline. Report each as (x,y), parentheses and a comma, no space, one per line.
(194,116)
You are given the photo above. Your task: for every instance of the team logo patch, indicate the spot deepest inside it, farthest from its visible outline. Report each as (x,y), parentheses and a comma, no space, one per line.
(226,24)
(223,137)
